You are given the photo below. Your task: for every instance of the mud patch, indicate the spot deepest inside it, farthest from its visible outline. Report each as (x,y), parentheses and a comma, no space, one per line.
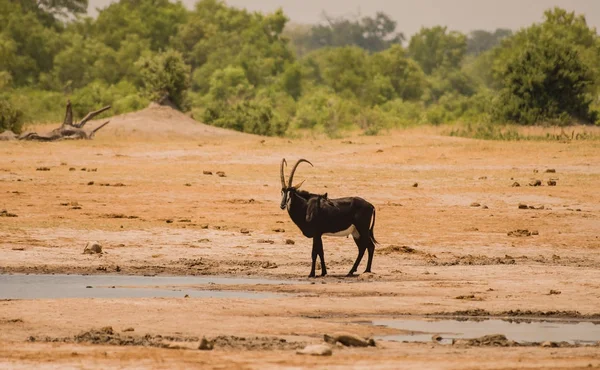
(476,260)
(108,336)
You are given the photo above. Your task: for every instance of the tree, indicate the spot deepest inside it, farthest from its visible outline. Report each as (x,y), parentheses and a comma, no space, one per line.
(369,33)
(166,74)
(480,41)
(435,47)
(547,81)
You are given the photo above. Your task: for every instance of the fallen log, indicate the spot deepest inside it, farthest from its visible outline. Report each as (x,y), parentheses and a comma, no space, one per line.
(68,130)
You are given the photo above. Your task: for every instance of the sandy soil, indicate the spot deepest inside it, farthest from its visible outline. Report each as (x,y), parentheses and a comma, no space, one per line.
(140,191)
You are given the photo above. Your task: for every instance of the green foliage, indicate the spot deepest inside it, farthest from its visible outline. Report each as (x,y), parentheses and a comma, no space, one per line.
(546,74)
(166,73)
(480,41)
(10,118)
(255,73)
(435,47)
(371,34)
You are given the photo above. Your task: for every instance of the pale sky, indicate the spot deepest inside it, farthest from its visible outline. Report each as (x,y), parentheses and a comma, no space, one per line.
(411,15)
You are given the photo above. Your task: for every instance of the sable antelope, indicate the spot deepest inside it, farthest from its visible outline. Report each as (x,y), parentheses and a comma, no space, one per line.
(317,215)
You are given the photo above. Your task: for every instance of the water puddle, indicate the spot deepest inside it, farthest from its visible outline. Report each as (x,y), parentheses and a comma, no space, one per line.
(116,286)
(521,331)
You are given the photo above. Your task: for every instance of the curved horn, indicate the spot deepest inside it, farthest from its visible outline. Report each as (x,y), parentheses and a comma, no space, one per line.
(283,162)
(294,170)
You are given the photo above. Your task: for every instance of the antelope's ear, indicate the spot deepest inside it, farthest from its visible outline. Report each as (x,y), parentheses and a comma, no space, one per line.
(325,195)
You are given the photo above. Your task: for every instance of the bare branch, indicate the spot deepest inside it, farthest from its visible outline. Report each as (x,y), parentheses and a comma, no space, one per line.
(98,128)
(91,115)
(68,121)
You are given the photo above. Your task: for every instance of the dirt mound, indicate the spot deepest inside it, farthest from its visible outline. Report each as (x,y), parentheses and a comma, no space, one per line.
(159,121)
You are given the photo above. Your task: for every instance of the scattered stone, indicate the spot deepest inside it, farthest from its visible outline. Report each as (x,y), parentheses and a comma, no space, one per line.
(550,170)
(43,169)
(315,350)
(483,178)
(169,221)
(475,204)
(245,231)
(379,150)
(206,345)
(551,182)
(290,242)
(128,330)
(485,207)
(535,232)
(269,265)
(90,183)
(523,206)
(92,248)
(279,230)
(18,249)
(416,185)
(89,287)
(436,338)
(5,213)
(519,233)
(554,292)
(549,344)
(265,241)
(347,339)
(187,184)
(72,169)
(535,183)
(494,340)
(515,184)
(469,296)
(220,173)
(204,226)
(207,172)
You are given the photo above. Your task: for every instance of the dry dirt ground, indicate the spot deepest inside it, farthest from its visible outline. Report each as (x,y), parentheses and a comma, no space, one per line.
(140,190)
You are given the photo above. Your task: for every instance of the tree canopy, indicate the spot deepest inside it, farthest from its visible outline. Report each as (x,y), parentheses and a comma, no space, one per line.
(255,72)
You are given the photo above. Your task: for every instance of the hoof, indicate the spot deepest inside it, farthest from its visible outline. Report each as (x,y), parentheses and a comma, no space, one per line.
(324,273)
(311,276)
(350,274)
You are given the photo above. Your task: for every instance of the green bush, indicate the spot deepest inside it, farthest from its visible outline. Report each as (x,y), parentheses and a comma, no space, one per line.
(166,73)
(10,118)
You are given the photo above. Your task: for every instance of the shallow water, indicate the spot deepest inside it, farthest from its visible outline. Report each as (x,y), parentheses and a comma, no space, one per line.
(581,332)
(118,286)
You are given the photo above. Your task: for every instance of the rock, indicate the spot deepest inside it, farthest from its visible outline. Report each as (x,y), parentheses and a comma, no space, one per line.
(515,184)
(550,170)
(5,213)
(436,338)
(92,248)
(245,231)
(552,292)
(207,172)
(551,182)
(206,345)
(523,206)
(290,242)
(8,135)
(347,339)
(416,185)
(279,230)
(269,265)
(535,183)
(475,204)
(519,233)
(549,344)
(128,329)
(315,350)
(220,173)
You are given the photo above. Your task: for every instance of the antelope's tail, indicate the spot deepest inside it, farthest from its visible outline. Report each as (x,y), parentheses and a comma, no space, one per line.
(372,228)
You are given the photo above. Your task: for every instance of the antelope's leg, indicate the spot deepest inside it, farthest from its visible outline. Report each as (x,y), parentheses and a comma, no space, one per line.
(315,253)
(361,252)
(371,249)
(321,254)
